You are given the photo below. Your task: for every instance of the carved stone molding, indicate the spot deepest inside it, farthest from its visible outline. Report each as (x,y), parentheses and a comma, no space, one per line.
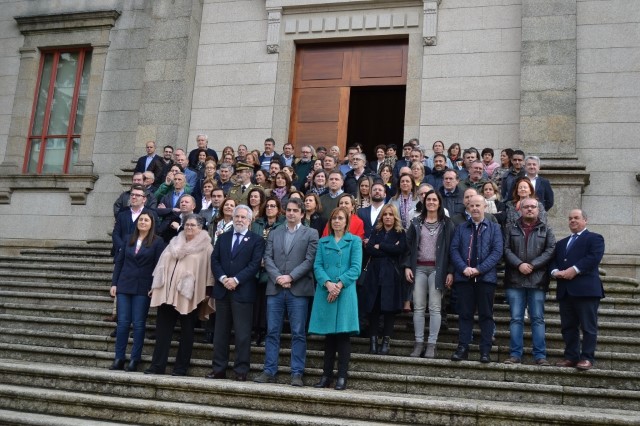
(78,186)
(274,17)
(430,23)
(66,21)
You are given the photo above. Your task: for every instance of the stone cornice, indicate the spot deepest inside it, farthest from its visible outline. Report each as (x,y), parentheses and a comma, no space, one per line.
(66,21)
(78,186)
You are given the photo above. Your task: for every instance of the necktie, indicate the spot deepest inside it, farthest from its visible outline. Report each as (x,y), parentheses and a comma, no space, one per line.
(236,242)
(571,240)
(244,188)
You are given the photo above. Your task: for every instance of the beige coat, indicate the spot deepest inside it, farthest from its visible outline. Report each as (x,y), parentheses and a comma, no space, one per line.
(183,273)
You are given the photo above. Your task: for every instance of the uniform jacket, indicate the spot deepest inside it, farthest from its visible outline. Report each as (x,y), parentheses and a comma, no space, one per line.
(336,261)
(443,245)
(586,254)
(133,272)
(236,193)
(183,273)
(297,261)
(243,265)
(490,246)
(538,251)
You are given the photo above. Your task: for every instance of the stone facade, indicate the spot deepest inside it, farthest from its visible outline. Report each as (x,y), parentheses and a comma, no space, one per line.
(558,78)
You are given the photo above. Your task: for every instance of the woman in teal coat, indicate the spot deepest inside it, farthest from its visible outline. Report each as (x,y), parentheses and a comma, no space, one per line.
(335,304)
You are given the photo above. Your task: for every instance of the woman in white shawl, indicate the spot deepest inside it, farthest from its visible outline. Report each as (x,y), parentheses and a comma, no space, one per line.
(180,282)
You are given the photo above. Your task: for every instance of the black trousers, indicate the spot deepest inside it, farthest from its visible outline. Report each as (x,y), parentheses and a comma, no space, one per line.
(472,296)
(389,319)
(340,343)
(576,314)
(165,324)
(239,316)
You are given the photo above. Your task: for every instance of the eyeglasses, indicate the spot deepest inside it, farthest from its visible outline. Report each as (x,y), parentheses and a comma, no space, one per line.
(532,207)
(136,195)
(306,152)
(190,225)
(271,206)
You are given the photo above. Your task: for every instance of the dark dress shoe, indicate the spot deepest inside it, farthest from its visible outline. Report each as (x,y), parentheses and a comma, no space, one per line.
(461,353)
(133,365)
(341,383)
(325,382)
(113,333)
(584,365)
(179,373)
(213,375)
(153,370)
(567,363)
(241,377)
(118,364)
(485,358)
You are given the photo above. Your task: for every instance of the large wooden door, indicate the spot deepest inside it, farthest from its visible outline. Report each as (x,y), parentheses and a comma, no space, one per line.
(323,77)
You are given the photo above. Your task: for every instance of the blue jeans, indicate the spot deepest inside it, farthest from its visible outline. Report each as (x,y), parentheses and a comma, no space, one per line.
(296,307)
(519,299)
(132,308)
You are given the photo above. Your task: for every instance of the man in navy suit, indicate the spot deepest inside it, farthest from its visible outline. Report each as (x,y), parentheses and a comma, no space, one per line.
(575,267)
(127,217)
(151,162)
(541,185)
(369,215)
(235,263)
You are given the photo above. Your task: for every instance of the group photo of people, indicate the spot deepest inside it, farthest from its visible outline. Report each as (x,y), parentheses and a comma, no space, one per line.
(252,245)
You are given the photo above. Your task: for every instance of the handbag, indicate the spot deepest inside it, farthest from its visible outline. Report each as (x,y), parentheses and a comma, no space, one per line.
(363,274)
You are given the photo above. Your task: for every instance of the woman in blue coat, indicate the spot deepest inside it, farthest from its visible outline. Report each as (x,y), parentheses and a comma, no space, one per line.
(132,278)
(335,304)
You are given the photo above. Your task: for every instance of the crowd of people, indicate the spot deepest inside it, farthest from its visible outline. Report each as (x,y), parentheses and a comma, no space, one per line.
(340,246)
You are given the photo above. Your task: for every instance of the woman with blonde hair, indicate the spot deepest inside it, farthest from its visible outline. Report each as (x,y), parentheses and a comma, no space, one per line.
(382,288)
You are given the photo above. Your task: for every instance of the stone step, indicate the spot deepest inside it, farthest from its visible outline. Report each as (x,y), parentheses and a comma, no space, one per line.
(606,342)
(64,277)
(399,349)
(100,253)
(89,245)
(56,260)
(101,387)
(27,287)
(23,265)
(10,417)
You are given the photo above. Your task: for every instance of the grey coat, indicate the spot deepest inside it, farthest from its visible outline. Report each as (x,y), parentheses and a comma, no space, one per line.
(538,251)
(297,262)
(443,243)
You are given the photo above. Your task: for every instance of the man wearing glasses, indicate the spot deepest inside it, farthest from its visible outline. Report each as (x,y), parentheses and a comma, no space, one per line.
(123,199)
(528,250)
(358,170)
(302,166)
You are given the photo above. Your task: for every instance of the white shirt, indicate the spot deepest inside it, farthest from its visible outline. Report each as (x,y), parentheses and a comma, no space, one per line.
(375,212)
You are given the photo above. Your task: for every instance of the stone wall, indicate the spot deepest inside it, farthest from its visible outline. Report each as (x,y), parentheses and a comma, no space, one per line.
(608,121)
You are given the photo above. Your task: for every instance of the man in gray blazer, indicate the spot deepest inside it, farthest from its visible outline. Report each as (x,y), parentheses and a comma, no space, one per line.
(288,259)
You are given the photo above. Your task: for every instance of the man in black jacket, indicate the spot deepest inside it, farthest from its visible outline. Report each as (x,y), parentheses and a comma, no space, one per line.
(528,250)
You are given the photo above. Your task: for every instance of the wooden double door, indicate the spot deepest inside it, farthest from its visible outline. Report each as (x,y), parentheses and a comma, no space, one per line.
(323,81)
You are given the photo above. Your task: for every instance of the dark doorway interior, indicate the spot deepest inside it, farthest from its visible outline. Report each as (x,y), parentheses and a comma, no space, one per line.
(376,116)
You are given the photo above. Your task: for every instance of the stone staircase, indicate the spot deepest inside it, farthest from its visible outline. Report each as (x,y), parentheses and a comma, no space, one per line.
(55,350)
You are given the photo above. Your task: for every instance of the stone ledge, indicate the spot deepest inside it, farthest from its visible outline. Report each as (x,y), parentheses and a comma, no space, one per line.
(66,21)
(78,186)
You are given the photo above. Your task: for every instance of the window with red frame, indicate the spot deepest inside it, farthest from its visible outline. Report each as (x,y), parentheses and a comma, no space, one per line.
(58,110)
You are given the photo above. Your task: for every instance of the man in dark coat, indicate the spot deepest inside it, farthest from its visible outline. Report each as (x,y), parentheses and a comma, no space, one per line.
(544,192)
(235,263)
(203,142)
(575,267)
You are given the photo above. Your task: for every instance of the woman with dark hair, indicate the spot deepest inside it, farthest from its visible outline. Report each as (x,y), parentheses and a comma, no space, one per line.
(223,220)
(405,199)
(504,166)
(521,190)
(386,173)
(426,266)
(179,286)
(256,200)
(312,217)
(319,183)
(262,179)
(199,167)
(208,185)
(281,187)
(381,152)
(132,278)
(382,288)
(390,155)
(335,305)
(270,218)
(363,198)
(455,156)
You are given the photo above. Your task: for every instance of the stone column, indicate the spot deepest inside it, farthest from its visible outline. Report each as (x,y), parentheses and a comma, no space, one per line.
(169,75)
(548,77)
